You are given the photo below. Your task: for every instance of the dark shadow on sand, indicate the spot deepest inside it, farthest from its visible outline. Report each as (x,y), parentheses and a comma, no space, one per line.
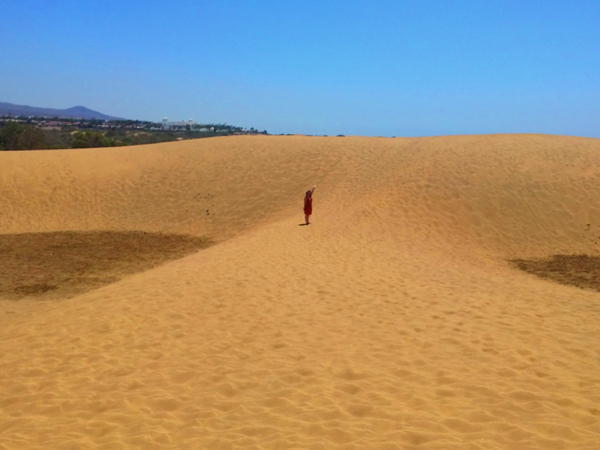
(65,264)
(582,271)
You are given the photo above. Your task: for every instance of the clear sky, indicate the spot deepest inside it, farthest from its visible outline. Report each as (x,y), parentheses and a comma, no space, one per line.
(389,68)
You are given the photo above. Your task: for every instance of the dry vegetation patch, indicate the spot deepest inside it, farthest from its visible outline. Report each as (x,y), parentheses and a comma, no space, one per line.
(64,264)
(582,271)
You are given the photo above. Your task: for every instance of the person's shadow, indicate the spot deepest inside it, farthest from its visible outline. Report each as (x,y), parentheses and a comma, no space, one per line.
(304,224)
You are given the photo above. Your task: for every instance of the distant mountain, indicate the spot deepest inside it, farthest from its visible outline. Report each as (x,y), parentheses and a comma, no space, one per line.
(76,112)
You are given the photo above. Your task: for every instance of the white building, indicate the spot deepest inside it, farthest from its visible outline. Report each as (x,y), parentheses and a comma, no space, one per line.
(166,125)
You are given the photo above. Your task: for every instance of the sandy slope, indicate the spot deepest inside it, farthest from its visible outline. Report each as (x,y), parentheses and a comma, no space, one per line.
(393,321)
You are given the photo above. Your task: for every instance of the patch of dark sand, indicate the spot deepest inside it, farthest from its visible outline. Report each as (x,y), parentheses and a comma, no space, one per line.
(65,264)
(582,271)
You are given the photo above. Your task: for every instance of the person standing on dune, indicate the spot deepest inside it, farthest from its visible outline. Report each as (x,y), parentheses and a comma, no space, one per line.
(308,204)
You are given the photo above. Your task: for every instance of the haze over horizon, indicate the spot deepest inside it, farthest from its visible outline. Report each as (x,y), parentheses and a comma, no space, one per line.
(390,69)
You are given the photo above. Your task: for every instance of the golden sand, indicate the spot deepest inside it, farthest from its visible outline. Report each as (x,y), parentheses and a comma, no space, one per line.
(396,320)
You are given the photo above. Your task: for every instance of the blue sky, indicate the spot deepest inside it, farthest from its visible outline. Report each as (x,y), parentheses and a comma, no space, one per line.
(388,68)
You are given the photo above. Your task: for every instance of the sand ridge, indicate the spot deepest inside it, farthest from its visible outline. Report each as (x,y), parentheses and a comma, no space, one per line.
(394,321)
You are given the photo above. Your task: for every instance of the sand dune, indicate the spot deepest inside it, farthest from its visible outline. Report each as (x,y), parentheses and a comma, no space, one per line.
(395,321)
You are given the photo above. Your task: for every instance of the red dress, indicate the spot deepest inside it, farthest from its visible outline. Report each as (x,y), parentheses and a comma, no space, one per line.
(308,206)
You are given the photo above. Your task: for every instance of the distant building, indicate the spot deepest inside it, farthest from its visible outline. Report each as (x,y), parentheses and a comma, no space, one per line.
(52,125)
(166,125)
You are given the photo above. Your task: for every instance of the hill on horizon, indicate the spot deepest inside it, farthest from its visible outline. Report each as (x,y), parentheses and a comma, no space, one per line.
(76,112)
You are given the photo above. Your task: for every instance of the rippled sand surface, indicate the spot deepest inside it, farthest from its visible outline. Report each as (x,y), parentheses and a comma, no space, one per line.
(166,296)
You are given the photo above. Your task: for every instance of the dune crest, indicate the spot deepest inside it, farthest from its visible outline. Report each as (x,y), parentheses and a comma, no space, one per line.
(395,320)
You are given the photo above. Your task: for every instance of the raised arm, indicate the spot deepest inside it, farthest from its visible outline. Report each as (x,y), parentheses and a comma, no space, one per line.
(313,189)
